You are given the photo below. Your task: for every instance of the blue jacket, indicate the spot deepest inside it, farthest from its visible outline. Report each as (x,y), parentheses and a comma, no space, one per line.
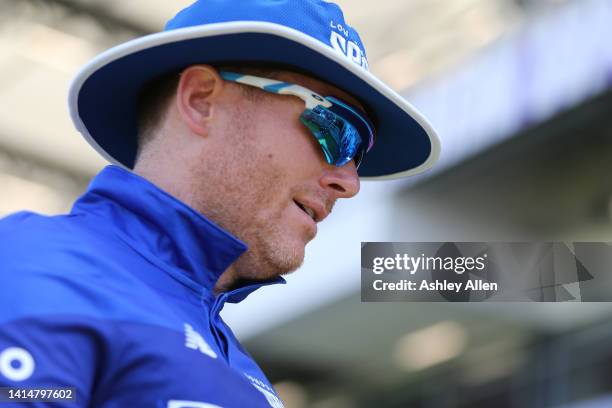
(115,299)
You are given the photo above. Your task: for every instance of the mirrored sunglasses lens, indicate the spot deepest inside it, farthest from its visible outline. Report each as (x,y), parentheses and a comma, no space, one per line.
(339,140)
(364,126)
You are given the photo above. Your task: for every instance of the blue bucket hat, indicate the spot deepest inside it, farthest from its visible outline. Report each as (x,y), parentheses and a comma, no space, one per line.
(308,35)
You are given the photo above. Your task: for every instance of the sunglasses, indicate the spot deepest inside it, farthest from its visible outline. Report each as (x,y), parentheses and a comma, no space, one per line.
(343,132)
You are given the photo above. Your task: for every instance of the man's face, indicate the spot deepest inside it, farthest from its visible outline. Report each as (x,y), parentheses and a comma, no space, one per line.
(261,169)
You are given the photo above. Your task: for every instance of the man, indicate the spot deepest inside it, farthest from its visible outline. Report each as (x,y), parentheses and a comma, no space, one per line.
(233,133)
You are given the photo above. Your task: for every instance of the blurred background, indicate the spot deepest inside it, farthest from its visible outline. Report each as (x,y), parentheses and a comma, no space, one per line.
(519,91)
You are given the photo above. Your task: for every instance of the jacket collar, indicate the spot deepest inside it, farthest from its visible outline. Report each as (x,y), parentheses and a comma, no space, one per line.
(158,224)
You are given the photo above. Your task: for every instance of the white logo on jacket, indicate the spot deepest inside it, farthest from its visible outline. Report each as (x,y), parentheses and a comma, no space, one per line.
(194,340)
(25,364)
(273,400)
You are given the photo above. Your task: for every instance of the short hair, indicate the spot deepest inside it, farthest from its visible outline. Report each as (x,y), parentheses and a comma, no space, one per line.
(155,96)
(153,101)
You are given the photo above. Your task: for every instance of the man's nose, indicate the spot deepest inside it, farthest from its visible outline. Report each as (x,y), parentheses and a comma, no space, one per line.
(342,182)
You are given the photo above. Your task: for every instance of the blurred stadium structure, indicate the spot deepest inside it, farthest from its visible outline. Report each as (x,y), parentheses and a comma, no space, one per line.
(520,93)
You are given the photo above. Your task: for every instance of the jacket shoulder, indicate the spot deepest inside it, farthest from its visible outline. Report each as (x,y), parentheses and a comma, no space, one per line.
(50,264)
(66,265)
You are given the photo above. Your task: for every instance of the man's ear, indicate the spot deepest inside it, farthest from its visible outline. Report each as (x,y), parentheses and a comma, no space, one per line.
(198,89)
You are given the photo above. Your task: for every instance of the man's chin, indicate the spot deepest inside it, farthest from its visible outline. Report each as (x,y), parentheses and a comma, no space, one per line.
(284,262)
(271,260)
(283,257)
